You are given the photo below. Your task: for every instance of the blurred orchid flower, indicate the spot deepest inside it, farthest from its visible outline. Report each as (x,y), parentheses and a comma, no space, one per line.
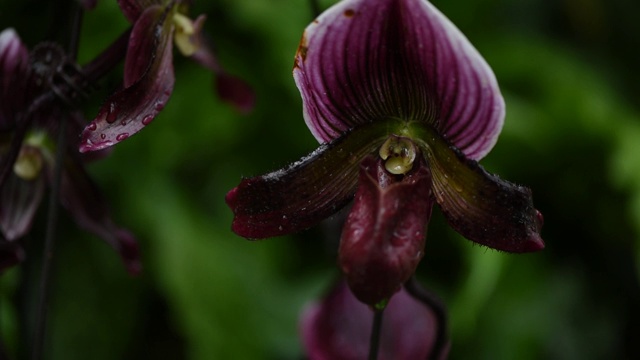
(148,71)
(339,327)
(29,80)
(396,94)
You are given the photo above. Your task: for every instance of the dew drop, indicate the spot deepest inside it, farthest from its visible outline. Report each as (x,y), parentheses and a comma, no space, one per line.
(92,126)
(159,106)
(280,228)
(103,136)
(147,120)
(113,113)
(123,122)
(122,136)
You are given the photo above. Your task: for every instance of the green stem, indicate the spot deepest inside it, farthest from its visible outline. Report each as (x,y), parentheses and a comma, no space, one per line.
(376,328)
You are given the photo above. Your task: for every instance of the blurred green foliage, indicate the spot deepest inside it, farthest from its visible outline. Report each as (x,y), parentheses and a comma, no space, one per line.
(572,133)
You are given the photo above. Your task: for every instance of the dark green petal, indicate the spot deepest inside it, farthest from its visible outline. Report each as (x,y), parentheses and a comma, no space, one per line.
(479,205)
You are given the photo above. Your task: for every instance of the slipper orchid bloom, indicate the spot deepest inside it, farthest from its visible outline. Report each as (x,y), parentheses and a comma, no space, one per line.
(404,107)
(27,129)
(148,71)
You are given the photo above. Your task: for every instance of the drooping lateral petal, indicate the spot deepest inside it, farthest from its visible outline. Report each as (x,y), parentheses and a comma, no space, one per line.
(230,89)
(339,327)
(301,195)
(383,238)
(88,207)
(19,201)
(149,82)
(365,60)
(14,75)
(479,205)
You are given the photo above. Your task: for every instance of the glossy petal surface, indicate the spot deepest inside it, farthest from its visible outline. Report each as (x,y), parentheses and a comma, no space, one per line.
(338,328)
(149,82)
(362,61)
(479,205)
(80,195)
(301,195)
(383,238)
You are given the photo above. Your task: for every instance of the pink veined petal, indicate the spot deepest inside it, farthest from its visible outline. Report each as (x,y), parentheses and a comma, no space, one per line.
(362,60)
(129,110)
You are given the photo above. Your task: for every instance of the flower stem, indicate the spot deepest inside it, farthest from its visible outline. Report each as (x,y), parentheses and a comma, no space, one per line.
(52,211)
(374,342)
(440,313)
(47,256)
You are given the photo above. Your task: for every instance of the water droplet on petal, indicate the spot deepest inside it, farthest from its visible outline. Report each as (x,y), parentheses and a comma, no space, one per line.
(123,122)
(92,126)
(159,106)
(122,136)
(113,113)
(103,136)
(147,120)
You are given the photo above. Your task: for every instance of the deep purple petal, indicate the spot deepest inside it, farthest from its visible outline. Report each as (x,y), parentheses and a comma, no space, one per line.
(132,9)
(363,60)
(14,70)
(88,207)
(383,238)
(310,190)
(479,205)
(128,111)
(230,89)
(19,200)
(338,328)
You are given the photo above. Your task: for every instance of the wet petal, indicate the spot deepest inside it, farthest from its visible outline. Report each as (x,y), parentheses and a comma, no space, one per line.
(362,60)
(301,195)
(14,70)
(88,207)
(383,238)
(19,201)
(339,328)
(479,205)
(149,82)
(231,89)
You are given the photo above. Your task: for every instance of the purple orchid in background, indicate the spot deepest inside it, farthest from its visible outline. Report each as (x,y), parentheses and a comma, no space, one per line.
(404,107)
(338,328)
(35,89)
(148,71)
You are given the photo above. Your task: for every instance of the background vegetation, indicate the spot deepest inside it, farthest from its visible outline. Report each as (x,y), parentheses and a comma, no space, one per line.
(568,71)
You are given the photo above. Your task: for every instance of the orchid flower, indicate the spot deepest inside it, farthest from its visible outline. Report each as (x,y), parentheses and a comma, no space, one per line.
(148,71)
(404,107)
(339,327)
(26,128)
